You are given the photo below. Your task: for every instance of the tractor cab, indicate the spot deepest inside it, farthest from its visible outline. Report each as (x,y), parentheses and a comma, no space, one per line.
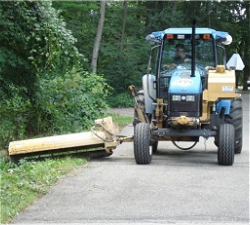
(179,65)
(175,51)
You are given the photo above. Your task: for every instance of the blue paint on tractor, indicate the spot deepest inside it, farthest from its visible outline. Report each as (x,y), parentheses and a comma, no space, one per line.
(182,83)
(214,33)
(223,103)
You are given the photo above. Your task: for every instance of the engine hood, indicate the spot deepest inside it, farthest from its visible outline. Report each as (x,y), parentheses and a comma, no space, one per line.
(181,82)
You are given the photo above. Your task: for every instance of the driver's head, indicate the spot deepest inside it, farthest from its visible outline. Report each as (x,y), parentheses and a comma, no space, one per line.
(180,50)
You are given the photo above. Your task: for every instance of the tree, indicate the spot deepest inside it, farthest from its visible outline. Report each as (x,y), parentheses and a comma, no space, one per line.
(246,37)
(125,9)
(98,37)
(44,88)
(81,17)
(237,23)
(34,42)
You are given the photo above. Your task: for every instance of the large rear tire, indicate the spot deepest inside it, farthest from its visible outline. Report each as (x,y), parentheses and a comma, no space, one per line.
(226,144)
(235,118)
(142,148)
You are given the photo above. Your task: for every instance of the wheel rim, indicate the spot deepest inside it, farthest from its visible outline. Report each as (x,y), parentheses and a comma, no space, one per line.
(150,150)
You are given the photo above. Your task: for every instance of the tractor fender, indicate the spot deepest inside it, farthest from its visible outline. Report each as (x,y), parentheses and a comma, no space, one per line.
(149,92)
(223,103)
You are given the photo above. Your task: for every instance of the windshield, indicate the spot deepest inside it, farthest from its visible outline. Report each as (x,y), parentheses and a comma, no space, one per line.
(178,53)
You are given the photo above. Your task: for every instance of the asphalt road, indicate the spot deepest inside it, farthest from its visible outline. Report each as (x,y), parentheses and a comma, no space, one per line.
(178,187)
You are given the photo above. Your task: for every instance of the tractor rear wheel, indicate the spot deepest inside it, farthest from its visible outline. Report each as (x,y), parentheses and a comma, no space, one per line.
(142,148)
(235,118)
(226,144)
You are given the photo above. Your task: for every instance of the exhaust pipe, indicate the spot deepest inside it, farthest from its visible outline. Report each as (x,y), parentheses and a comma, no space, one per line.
(193,49)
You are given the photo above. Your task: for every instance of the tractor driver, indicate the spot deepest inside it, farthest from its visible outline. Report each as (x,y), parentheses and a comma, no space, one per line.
(181,55)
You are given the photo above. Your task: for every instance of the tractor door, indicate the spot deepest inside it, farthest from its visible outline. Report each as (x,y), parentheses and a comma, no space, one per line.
(221,55)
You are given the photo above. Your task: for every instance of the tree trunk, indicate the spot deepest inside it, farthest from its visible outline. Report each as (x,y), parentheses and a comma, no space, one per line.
(125,6)
(174,7)
(98,37)
(246,37)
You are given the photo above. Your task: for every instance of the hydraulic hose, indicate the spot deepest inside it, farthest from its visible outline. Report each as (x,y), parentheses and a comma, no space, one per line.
(184,149)
(104,139)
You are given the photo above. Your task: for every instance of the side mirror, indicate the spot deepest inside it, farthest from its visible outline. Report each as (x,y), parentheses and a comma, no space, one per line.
(227,40)
(152,39)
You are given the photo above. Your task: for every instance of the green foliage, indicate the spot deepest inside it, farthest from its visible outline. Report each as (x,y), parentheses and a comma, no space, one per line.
(122,70)
(82,19)
(34,41)
(43,86)
(123,100)
(21,184)
(73,101)
(123,60)
(67,103)
(12,121)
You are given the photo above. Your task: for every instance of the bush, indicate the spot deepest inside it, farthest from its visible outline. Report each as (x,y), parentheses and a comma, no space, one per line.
(12,120)
(123,100)
(73,101)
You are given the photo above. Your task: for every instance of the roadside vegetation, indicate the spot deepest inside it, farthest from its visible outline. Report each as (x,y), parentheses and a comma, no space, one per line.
(23,182)
(26,181)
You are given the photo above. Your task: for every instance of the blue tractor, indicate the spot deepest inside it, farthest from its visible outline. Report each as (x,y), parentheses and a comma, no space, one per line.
(188,93)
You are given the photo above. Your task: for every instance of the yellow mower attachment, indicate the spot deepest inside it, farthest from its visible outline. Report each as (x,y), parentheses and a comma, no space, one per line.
(103,134)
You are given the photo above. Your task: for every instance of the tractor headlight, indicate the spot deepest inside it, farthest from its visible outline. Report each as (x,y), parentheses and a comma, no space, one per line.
(176,97)
(190,98)
(183,98)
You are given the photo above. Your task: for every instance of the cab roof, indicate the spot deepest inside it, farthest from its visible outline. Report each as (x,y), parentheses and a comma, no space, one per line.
(188,30)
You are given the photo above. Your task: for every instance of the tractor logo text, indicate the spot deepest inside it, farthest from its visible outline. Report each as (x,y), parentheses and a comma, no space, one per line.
(184,82)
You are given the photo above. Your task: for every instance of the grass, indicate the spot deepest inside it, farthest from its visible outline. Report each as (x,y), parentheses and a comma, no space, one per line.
(24,182)
(29,179)
(121,120)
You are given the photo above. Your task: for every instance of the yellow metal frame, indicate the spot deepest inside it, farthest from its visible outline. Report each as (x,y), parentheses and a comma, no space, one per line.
(221,85)
(104,136)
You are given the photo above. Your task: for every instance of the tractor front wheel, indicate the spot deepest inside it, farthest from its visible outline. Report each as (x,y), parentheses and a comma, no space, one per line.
(142,148)
(226,144)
